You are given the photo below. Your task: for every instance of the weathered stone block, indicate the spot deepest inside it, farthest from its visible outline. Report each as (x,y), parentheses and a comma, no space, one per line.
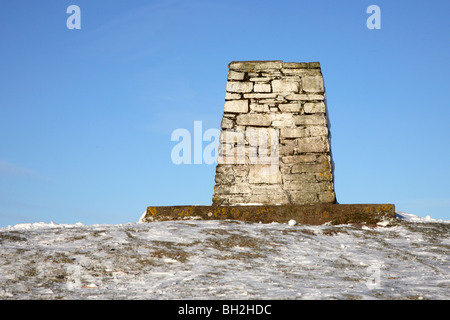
(293,72)
(294,107)
(232,96)
(266,189)
(327,197)
(233,188)
(261,79)
(272,101)
(226,123)
(309,186)
(302,132)
(295,132)
(241,171)
(264,174)
(277,199)
(281,120)
(287,148)
(260,95)
(261,136)
(285,86)
(254,119)
(302,158)
(312,84)
(256,107)
(234,75)
(251,66)
(317,131)
(222,178)
(236,106)
(226,169)
(233,159)
(312,168)
(262,87)
(324,176)
(231,137)
(305,97)
(304,197)
(310,120)
(240,87)
(301,65)
(299,177)
(312,145)
(231,149)
(314,107)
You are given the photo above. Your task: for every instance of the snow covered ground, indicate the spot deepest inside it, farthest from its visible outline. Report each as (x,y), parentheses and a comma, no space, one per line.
(226,260)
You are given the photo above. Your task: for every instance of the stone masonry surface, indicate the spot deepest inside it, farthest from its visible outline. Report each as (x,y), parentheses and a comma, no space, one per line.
(275,139)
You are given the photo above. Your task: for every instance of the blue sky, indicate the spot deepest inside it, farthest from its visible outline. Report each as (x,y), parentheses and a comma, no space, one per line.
(86,115)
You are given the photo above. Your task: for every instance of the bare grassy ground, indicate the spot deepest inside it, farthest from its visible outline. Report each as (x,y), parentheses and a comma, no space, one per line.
(225,260)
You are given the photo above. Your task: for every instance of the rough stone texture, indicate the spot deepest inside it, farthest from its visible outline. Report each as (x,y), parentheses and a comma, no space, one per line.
(313,214)
(237,106)
(236,86)
(274,146)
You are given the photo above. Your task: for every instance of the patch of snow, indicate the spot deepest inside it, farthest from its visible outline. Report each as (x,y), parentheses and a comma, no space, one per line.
(383,223)
(142,218)
(414,218)
(41,225)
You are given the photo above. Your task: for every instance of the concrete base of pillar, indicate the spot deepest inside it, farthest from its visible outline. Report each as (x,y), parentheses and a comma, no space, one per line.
(312,214)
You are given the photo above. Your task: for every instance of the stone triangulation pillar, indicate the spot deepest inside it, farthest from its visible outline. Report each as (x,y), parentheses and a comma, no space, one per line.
(275,140)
